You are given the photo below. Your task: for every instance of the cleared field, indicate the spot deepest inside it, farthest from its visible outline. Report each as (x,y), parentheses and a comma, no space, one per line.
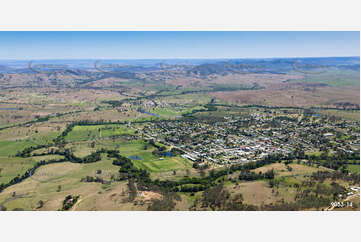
(259,192)
(10,148)
(17,139)
(81,133)
(44,184)
(154,164)
(11,167)
(179,174)
(41,133)
(297,169)
(255,192)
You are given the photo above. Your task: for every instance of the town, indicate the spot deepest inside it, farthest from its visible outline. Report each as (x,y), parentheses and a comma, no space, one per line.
(240,139)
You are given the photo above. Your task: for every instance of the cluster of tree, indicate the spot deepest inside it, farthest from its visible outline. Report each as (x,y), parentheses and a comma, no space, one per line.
(176,151)
(160,152)
(273,183)
(215,197)
(69,201)
(247,175)
(132,190)
(307,202)
(127,169)
(167,203)
(336,161)
(192,188)
(237,204)
(152,143)
(40,204)
(335,189)
(115,103)
(199,164)
(323,175)
(347,105)
(27,151)
(218,198)
(195,165)
(210,107)
(94,179)
(60,139)
(93,157)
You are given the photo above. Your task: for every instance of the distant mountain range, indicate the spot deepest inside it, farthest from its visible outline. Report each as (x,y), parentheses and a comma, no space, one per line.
(202,67)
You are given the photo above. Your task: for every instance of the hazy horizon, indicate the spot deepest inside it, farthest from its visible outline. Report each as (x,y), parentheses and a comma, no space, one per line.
(80,45)
(183,58)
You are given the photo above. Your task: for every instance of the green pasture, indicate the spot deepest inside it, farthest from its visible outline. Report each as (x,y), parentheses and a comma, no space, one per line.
(90,132)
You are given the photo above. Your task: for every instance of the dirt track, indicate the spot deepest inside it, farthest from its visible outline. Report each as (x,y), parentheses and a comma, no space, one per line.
(345,200)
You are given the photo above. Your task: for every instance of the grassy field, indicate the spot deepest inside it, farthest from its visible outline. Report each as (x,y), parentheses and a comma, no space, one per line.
(12,143)
(255,192)
(259,192)
(154,164)
(297,169)
(354,168)
(165,112)
(10,148)
(83,133)
(43,185)
(11,167)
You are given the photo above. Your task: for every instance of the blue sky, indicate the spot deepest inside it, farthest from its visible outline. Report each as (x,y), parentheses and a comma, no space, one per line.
(168,44)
